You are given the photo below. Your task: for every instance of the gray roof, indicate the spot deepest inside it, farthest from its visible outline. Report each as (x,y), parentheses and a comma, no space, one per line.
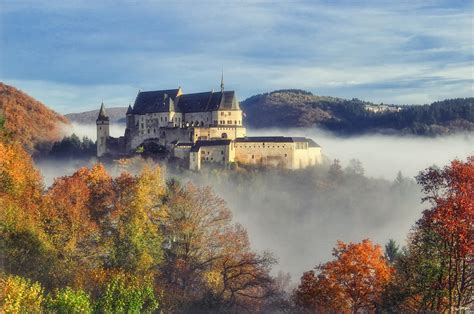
(168,100)
(155,101)
(102,115)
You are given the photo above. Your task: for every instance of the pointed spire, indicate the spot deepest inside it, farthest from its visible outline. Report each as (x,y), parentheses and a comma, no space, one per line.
(102,115)
(129,110)
(222,81)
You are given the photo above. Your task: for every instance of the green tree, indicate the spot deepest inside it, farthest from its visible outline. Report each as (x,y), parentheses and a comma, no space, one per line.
(20,295)
(392,251)
(126,294)
(68,300)
(138,239)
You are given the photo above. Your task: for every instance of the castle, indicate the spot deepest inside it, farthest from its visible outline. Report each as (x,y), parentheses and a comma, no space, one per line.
(201,128)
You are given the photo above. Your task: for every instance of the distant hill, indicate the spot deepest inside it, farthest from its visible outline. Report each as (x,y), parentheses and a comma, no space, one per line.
(28,120)
(116,114)
(298,108)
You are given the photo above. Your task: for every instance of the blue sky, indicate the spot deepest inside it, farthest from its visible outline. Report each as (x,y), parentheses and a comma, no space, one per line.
(73,54)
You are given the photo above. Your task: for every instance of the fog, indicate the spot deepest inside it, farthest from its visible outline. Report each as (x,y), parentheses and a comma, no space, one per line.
(384,155)
(89,130)
(300,215)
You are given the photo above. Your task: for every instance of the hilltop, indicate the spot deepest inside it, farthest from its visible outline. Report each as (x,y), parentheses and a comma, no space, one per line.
(299,108)
(29,121)
(115,114)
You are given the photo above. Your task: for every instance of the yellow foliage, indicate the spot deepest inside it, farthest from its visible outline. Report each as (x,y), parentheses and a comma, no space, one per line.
(19,295)
(214,280)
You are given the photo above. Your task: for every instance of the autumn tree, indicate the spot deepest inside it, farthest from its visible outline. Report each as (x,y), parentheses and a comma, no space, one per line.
(435,272)
(137,221)
(208,261)
(23,246)
(68,219)
(353,281)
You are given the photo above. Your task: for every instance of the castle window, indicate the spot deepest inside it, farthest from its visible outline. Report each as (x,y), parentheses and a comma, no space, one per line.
(143,125)
(161,118)
(222,152)
(148,131)
(253,156)
(222,113)
(286,155)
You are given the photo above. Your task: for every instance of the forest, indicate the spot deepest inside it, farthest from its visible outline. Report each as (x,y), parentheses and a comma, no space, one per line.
(94,242)
(299,108)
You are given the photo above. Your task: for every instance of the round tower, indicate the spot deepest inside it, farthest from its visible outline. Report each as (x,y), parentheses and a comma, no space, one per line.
(103,134)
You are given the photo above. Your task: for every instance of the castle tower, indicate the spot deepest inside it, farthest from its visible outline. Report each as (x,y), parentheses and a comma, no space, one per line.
(102,123)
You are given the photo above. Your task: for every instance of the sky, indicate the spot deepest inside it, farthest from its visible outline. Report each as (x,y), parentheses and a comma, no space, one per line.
(71,55)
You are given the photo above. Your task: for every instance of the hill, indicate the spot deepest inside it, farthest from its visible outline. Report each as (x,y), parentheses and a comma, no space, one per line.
(298,108)
(116,114)
(29,121)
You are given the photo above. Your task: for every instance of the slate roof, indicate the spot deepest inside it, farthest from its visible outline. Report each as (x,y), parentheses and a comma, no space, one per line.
(168,100)
(155,101)
(102,115)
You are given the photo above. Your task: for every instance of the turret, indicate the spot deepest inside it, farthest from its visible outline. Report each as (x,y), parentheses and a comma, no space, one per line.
(103,134)
(130,120)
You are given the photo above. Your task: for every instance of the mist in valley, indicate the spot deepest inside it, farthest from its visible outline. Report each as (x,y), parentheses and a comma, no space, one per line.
(299,216)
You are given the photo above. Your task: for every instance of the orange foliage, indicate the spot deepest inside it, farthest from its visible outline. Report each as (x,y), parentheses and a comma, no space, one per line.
(20,184)
(354,280)
(451,192)
(30,121)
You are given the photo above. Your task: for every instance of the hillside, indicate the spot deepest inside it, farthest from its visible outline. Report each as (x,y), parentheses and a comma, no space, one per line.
(297,108)
(28,120)
(116,114)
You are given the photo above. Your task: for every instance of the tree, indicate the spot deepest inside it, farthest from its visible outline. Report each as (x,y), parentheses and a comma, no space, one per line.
(20,295)
(138,218)
(125,293)
(392,251)
(208,261)
(435,272)
(353,281)
(355,168)
(450,191)
(68,300)
(73,147)
(335,171)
